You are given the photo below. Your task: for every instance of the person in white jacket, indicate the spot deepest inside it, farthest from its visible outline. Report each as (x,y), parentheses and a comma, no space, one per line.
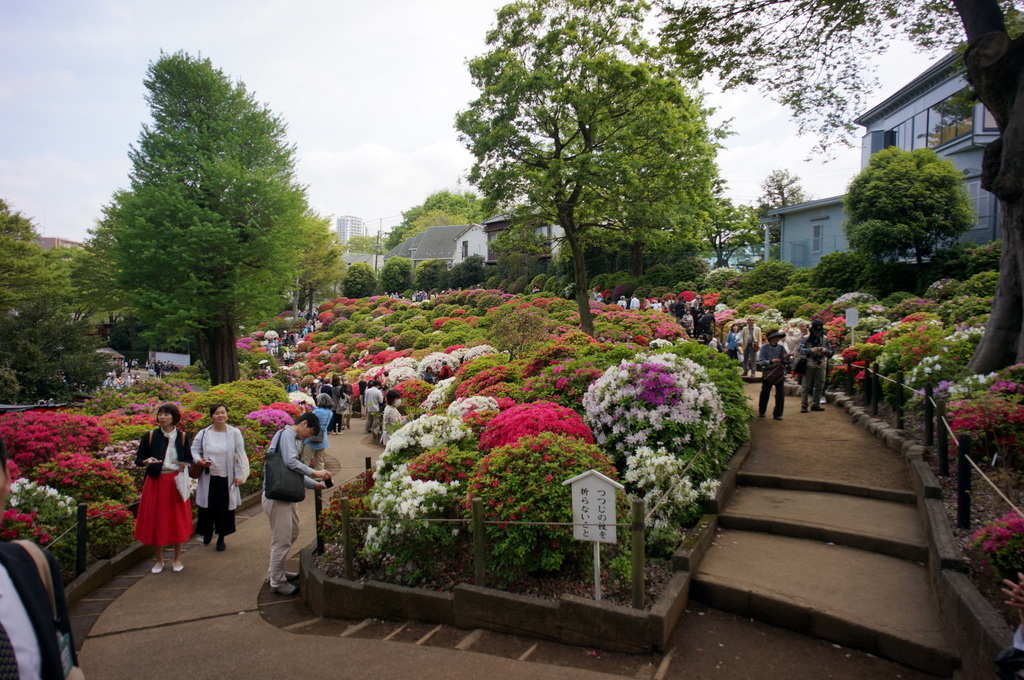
(221,450)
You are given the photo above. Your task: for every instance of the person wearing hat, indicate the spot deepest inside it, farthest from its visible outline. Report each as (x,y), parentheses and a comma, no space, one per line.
(816,348)
(770,355)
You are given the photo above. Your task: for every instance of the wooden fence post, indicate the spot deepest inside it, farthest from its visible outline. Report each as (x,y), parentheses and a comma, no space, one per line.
(929,415)
(963,482)
(346,539)
(943,437)
(638,554)
(479,544)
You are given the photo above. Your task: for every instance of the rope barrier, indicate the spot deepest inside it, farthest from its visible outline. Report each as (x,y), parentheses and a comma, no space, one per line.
(494,522)
(953,441)
(66,532)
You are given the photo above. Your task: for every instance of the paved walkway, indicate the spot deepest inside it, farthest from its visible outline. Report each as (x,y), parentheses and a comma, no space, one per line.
(217,619)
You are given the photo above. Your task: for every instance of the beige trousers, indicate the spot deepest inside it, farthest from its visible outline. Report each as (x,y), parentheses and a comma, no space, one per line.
(284,531)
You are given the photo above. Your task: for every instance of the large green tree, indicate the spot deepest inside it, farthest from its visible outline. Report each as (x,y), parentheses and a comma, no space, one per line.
(26,271)
(360,281)
(906,204)
(319,262)
(47,354)
(779,189)
(396,275)
(364,245)
(206,238)
(468,273)
(432,275)
(577,115)
(809,54)
(92,270)
(728,229)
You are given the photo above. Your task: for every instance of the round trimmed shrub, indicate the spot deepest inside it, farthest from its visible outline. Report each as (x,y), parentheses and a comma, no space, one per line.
(526,420)
(659,401)
(524,482)
(85,478)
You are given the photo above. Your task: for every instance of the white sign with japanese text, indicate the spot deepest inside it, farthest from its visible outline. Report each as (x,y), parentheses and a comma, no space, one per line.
(593,507)
(852,317)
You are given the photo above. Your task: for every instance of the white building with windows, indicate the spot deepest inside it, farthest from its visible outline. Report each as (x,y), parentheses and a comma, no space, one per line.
(349,226)
(929,112)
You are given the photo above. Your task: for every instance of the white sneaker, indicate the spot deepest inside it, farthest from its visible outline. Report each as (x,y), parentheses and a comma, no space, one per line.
(285,589)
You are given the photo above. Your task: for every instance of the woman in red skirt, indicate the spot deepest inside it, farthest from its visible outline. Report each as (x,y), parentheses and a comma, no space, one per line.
(165,515)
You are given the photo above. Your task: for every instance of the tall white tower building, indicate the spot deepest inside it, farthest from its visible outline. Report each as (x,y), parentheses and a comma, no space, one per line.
(349,226)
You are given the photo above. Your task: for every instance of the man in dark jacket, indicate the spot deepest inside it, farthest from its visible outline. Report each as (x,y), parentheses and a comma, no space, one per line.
(30,638)
(816,348)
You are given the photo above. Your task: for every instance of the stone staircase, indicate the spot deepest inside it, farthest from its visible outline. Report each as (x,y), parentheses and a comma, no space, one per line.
(825,553)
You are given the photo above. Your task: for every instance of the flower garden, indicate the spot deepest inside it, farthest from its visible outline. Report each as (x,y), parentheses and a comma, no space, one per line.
(531,402)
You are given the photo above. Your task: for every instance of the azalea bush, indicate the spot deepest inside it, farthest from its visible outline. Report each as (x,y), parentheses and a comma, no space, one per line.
(111,528)
(1002,542)
(240,397)
(122,456)
(417,436)
(85,478)
(527,420)
(453,463)
(403,542)
(53,510)
(441,395)
(671,490)
(17,525)
(524,482)
(995,420)
(564,383)
(660,401)
(504,375)
(36,437)
(270,420)
(463,406)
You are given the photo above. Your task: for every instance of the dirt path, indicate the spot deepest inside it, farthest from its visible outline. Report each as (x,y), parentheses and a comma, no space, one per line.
(821,445)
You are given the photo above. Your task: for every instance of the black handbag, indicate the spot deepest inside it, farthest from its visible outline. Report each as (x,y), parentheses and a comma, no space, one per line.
(280,482)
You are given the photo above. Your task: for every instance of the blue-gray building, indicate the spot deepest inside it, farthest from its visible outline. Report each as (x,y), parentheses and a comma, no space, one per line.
(926,113)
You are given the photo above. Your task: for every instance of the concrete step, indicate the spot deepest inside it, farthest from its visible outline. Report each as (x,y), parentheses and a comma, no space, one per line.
(775,481)
(880,526)
(876,603)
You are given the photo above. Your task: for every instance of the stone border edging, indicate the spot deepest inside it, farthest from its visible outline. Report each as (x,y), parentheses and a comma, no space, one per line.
(980,630)
(570,619)
(103,570)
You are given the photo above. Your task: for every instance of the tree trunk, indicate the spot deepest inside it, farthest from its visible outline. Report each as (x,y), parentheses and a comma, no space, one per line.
(636,259)
(219,353)
(995,68)
(579,267)
(1003,343)
(132,333)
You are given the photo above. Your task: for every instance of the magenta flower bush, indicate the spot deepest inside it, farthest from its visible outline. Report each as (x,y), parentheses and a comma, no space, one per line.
(270,420)
(35,437)
(528,420)
(85,478)
(1002,541)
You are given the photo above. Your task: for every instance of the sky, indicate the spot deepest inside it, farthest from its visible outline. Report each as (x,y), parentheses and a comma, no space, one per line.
(369,91)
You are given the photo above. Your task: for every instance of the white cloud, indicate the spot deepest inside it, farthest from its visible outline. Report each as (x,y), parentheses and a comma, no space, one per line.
(380,182)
